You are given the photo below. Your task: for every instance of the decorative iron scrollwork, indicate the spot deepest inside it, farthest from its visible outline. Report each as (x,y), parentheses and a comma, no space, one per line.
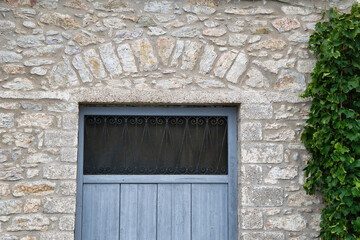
(155,145)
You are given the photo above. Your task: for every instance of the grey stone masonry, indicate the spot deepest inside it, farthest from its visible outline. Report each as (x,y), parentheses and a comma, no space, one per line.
(57,55)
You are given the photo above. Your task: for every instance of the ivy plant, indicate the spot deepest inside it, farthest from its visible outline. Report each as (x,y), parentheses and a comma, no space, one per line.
(332,132)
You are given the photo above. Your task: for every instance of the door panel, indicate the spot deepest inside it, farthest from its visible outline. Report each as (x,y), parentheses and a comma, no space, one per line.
(209,212)
(138,211)
(147,196)
(174,212)
(101,211)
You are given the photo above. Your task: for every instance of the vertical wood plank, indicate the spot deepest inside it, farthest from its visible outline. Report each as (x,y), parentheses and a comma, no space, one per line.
(181,212)
(129,212)
(209,212)
(164,215)
(174,212)
(147,203)
(101,212)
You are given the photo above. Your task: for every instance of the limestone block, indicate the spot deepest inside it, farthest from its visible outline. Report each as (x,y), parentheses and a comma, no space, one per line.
(10,57)
(6,120)
(252,219)
(94,63)
(111,61)
(256,111)
(251,174)
(262,196)
(251,131)
(19,83)
(30,222)
(224,63)
(238,68)
(33,188)
(60,172)
(41,120)
(127,58)
(207,59)
(294,223)
(190,55)
(8,207)
(165,46)
(60,138)
(59,205)
(262,153)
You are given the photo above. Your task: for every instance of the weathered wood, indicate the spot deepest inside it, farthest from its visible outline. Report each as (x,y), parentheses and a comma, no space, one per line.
(101,212)
(209,212)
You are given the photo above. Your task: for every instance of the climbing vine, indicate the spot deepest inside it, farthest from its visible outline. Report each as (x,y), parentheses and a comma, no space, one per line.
(332,132)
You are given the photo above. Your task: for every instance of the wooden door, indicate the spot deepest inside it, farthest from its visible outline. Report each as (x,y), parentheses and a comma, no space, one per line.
(158,206)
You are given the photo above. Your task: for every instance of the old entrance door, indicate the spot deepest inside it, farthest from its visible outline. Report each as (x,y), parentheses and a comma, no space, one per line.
(157,174)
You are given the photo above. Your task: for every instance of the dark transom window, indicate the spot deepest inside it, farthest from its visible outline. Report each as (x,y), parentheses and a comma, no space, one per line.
(155,145)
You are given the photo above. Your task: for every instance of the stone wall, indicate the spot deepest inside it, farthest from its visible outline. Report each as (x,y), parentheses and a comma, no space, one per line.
(56,55)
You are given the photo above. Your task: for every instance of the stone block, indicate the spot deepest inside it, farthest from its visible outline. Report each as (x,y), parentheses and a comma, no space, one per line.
(60,139)
(251,131)
(68,154)
(30,222)
(33,188)
(301,199)
(252,219)
(32,205)
(59,205)
(281,173)
(6,120)
(60,172)
(8,207)
(68,188)
(262,153)
(67,223)
(263,236)
(57,235)
(294,223)
(256,111)
(262,196)
(40,120)
(251,174)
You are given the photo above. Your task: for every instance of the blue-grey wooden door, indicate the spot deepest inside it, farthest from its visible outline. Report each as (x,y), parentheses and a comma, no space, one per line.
(158,207)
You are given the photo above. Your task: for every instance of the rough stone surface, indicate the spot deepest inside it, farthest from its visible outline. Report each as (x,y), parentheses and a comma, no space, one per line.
(262,196)
(286,24)
(34,188)
(127,58)
(207,59)
(262,153)
(60,172)
(186,32)
(238,68)
(19,84)
(145,53)
(41,120)
(224,63)
(110,59)
(10,207)
(61,20)
(92,60)
(252,219)
(165,47)
(84,73)
(9,57)
(291,223)
(190,55)
(30,222)
(59,205)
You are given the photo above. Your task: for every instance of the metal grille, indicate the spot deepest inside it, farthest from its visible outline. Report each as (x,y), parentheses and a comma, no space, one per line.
(155,145)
